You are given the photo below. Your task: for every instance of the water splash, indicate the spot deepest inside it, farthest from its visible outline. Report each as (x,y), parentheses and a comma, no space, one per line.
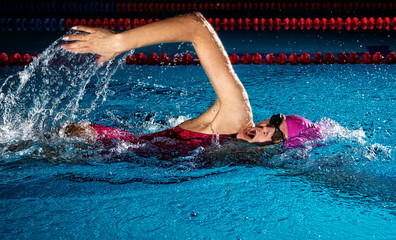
(333,131)
(51,91)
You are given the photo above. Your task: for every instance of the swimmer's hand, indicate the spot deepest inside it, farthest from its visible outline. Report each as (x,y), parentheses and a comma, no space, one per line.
(102,42)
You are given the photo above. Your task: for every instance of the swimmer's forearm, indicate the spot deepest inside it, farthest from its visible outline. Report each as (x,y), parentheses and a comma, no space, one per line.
(177,29)
(105,43)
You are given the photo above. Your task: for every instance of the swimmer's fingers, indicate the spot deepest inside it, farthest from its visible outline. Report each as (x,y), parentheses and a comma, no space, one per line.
(77,43)
(94,40)
(79,37)
(78,47)
(94,32)
(84,47)
(84,28)
(89,34)
(87,31)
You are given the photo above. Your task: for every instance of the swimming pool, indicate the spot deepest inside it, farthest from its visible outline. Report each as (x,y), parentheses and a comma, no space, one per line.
(58,188)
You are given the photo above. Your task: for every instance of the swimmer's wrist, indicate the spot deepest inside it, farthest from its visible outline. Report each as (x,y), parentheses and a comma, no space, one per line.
(117,44)
(123,42)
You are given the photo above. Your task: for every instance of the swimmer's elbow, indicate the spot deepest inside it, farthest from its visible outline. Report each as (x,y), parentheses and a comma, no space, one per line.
(196,17)
(198,25)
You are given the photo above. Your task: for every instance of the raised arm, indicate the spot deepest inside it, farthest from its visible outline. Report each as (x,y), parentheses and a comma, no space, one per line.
(231,112)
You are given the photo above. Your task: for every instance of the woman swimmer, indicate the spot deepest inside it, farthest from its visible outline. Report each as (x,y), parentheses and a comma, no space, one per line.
(229,117)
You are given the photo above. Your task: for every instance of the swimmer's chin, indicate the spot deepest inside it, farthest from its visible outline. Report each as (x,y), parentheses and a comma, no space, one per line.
(257,144)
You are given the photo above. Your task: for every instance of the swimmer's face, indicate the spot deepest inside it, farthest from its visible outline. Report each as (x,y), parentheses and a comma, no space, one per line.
(262,133)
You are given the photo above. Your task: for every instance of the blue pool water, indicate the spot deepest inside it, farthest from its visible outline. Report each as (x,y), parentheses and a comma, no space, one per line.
(52,187)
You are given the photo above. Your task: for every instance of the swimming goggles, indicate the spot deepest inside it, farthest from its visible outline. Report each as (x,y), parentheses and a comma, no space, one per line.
(276,121)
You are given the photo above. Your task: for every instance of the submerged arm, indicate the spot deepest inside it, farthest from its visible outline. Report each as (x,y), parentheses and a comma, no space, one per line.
(233,111)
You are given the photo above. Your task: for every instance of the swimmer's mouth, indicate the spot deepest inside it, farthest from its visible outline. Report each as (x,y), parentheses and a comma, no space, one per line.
(250,133)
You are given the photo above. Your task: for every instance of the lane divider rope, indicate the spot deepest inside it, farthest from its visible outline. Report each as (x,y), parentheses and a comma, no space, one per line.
(144,7)
(256,58)
(53,24)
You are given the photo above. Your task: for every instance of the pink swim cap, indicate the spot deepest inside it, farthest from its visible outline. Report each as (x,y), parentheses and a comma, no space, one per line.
(296,125)
(300,130)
